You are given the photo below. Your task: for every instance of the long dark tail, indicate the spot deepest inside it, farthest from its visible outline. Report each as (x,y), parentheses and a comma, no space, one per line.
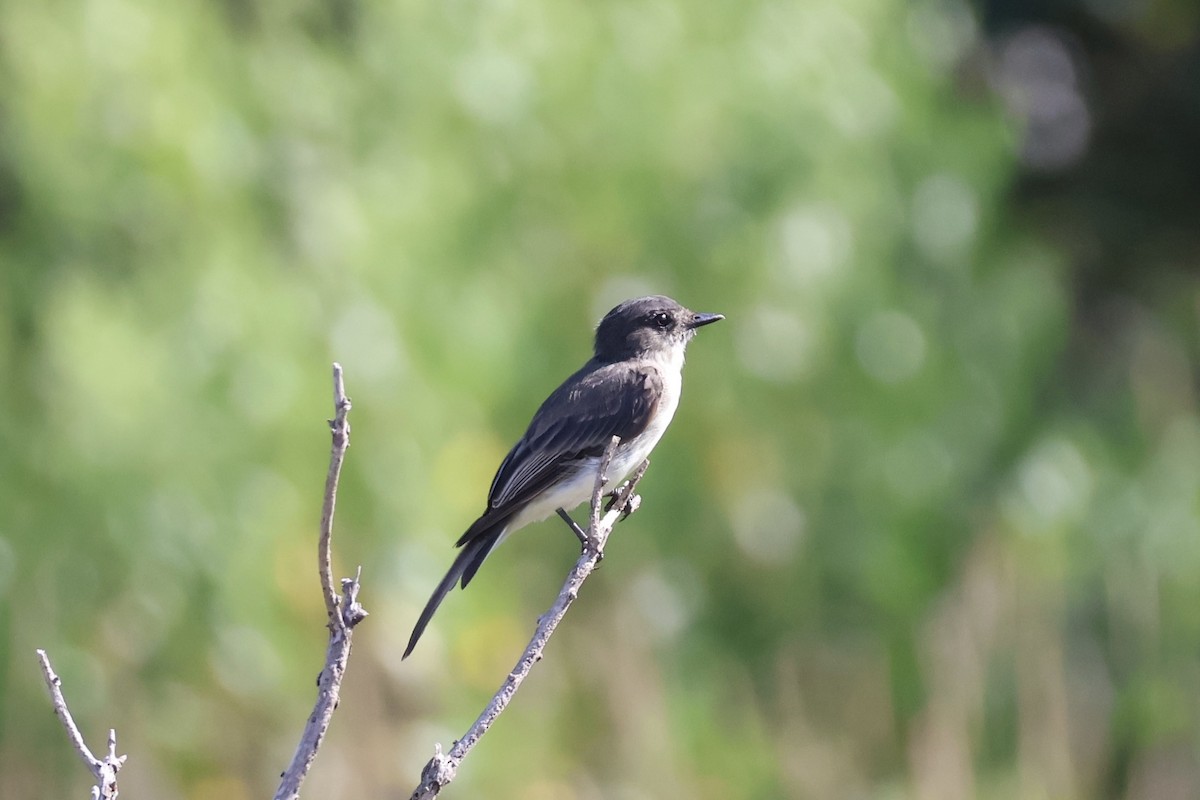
(474,551)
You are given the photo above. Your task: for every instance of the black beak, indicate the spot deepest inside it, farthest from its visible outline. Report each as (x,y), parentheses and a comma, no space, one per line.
(700,320)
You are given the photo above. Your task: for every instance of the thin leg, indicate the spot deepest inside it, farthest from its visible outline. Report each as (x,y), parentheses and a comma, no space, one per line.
(579,532)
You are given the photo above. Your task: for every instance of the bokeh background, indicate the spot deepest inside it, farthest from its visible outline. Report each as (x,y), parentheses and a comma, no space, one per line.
(927,524)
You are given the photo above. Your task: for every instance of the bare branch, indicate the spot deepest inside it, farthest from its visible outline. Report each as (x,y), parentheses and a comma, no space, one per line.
(340,428)
(598,489)
(344,613)
(442,768)
(105,770)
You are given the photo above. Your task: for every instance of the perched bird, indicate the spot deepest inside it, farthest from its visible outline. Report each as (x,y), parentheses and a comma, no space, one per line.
(630,388)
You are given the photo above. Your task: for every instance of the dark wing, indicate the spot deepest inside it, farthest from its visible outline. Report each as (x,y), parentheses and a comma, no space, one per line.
(576,422)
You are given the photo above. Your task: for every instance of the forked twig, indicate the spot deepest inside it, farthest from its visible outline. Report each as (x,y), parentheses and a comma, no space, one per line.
(104,769)
(344,612)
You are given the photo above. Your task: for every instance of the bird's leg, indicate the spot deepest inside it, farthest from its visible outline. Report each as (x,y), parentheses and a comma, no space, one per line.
(581,535)
(579,532)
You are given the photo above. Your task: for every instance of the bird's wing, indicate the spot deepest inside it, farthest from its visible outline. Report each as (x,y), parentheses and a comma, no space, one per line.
(576,422)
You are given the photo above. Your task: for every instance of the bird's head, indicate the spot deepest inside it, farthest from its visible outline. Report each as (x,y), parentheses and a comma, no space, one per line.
(653,326)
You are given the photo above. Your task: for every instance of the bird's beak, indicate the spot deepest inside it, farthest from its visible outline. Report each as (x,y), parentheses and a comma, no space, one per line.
(699,320)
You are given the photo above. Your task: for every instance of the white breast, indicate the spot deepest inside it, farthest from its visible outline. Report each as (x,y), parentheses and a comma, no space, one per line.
(570,494)
(640,446)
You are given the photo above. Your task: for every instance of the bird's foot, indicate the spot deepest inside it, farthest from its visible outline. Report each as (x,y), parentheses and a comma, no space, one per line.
(635,502)
(622,496)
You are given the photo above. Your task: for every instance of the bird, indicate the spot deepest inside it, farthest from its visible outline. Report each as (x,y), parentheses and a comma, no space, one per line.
(629,388)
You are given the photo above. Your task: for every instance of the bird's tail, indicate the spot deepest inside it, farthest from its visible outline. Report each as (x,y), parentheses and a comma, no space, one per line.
(473,553)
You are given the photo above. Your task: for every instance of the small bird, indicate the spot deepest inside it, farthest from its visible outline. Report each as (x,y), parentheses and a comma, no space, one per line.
(630,388)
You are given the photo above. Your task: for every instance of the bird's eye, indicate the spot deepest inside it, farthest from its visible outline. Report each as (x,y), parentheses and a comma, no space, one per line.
(661,320)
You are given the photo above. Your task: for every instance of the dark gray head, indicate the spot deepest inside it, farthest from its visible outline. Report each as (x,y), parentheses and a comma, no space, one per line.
(647,326)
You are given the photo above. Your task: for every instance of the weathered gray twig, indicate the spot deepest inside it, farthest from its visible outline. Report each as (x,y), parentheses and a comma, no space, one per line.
(344,612)
(339,426)
(104,769)
(443,767)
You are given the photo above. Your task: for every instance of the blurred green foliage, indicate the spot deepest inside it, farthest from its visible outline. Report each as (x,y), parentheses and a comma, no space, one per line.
(927,524)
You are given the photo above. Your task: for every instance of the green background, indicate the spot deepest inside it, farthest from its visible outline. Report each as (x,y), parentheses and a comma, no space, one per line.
(926,525)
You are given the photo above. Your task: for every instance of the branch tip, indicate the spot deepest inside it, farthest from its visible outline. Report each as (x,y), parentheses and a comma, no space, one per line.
(105,771)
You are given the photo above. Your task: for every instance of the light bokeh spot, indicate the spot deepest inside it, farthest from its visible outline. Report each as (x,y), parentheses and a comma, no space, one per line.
(890,347)
(945,216)
(775,345)
(768,526)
